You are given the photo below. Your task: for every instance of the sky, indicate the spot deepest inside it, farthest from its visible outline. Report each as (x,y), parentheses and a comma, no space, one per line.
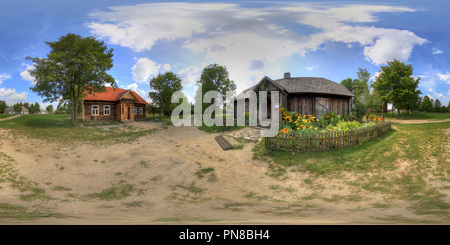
(252,39)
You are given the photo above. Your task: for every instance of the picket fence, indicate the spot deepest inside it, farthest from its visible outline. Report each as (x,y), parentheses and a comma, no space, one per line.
(318,142)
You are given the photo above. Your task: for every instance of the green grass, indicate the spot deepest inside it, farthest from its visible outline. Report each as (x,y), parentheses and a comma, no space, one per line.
(415,115)
(58,128)
(11,211)
(6,115)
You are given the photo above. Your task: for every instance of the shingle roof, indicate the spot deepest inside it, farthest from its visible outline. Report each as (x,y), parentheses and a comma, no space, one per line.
(315,85)
(113,94)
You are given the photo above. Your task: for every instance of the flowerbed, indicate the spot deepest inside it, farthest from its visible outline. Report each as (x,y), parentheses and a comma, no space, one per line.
(308,134)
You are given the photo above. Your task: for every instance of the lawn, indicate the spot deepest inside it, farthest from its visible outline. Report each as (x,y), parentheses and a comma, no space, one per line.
(5,115)
(415,115)
(58,127)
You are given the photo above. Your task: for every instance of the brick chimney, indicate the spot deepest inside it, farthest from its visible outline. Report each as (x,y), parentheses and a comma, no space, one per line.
(287,75)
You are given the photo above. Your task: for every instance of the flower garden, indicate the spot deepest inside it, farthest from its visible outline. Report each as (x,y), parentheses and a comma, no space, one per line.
(305,133)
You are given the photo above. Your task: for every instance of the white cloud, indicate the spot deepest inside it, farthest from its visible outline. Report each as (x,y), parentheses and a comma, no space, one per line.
(248,41)
(10,96)
(26,75)
(144,69)
(436,51)
(3,77)
(166,67)
(190,75)
(141,92)
(444,77)
(392,44)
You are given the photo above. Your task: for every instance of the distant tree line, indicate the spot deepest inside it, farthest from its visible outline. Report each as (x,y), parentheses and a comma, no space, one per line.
(31,107)
(394,85)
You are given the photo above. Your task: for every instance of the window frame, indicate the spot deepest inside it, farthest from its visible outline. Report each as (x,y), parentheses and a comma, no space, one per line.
(109,110)
(92,110)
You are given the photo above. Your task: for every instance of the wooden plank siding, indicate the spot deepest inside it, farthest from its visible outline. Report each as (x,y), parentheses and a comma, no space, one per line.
(118,111)
(305,104)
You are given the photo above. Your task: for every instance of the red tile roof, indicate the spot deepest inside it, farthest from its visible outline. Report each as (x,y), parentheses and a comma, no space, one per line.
(113,94)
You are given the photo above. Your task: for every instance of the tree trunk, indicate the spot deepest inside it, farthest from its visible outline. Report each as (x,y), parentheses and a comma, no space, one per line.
(73,107)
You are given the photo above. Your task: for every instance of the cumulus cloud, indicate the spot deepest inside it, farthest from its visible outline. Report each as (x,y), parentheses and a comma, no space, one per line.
(26,75)
(249,40)
(3,77)
(189,76)
(141,92)
(143,69)
(11,96)
(444,77)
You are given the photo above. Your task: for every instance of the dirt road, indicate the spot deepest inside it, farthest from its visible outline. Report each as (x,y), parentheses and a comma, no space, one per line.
(178,175)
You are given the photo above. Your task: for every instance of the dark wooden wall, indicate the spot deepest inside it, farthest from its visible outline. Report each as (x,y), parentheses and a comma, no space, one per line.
(305,104)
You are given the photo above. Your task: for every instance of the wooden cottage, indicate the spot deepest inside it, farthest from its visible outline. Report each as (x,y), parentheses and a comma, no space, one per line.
(115,104)
(305,95)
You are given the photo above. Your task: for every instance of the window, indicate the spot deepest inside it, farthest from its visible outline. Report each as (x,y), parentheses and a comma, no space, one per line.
(107,110)
(141,111)
(95,110)
(135,110)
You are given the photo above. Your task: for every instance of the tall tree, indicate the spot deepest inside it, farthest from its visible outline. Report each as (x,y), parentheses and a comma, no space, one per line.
(360,89)
(214,78)
(426,105)
(163,86)
(437,106)
(74,66)
(3,106)
(396,85)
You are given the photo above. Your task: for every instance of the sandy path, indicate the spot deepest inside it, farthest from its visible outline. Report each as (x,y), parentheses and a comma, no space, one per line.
(162,166)
(418,121)
(9,118)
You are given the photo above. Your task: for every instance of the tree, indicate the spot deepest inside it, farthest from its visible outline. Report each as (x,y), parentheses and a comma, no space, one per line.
(427,104)
(437,106)
(396,85)
(49,108)
(74,66)
(348,83)
(17,107)
(32,109)
(37,107)
(214,78)
(3,106)
(360,89)
(163,86)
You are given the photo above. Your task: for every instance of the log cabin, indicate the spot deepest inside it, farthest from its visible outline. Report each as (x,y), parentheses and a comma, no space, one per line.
(115,104)
(305,95)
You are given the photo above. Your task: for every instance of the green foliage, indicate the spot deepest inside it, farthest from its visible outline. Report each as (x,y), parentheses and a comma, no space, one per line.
(360,89)
(3,106)
(163,86)
(396,85)
(427,104)
(75,65)
(214,78)
(17,107)
(49,108)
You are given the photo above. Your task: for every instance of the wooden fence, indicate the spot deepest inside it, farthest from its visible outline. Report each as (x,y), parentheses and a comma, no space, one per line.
(317,142)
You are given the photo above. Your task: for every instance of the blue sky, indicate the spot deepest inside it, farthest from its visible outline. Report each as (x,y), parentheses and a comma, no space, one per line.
(329,39)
